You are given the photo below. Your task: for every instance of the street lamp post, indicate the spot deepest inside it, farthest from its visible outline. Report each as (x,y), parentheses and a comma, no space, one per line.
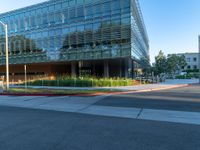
(25,76)
(199,59)
(7,56)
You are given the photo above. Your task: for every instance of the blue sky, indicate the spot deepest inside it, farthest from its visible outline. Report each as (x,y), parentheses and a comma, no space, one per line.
(7,5)
(172,25)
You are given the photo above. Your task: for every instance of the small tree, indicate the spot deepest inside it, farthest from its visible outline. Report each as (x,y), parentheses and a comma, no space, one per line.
(160,63)
(181,62)
(175,63)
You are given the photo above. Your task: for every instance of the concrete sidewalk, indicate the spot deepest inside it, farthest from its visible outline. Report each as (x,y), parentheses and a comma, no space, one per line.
(87,106)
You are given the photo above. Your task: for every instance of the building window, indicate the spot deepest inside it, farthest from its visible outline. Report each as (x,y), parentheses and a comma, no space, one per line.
(80,28)
(15,27)
(195,59)
(44,19)
(32,21)
(21,23)
(38,20)
(96,26)
(80,12)
(72,13)
(65,16)
(106,7)
(72,2)
(2,48)
(89,12)
(11,27)
(27,23)
(58,6)
(65,4)
(194,67)
(188,67)
(58,18)
(88,27)
(125,21)
(51,18)
(115,6)
(51,8)
(125,4)
(97,10)
(188,59)
(80,2)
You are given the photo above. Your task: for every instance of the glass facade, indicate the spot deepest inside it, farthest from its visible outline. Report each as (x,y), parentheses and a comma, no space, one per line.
(139,38)
(68,30)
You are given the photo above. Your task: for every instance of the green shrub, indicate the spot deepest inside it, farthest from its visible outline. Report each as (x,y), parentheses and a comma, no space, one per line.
(83,82)
(187,76)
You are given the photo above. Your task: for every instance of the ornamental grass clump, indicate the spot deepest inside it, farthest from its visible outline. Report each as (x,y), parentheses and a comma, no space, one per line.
(67,81)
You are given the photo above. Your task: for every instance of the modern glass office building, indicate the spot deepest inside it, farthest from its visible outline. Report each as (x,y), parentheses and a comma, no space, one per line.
(76,37)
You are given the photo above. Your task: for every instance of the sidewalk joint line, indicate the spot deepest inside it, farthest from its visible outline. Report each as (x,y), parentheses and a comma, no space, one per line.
(30,99)
(138,115)
(80,110)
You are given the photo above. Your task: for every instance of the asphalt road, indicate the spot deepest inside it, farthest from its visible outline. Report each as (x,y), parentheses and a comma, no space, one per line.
(26,129)
(181,99)
(32,129)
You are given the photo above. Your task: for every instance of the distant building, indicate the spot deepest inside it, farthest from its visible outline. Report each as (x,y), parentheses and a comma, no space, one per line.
(192,60)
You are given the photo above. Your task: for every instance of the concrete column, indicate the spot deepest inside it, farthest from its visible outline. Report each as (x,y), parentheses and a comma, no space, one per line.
(73,69)
(126,68)
(132,69)
(120,68)
(106,69)
(93,69)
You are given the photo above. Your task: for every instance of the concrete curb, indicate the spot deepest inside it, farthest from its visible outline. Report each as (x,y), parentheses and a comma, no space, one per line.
(101,93)
(52,95)
(150,90)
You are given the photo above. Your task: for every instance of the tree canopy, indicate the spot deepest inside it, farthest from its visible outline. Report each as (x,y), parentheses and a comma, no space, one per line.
(168,65)
(160,63)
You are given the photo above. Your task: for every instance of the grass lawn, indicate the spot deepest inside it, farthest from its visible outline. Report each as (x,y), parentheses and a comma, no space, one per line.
(55,91)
